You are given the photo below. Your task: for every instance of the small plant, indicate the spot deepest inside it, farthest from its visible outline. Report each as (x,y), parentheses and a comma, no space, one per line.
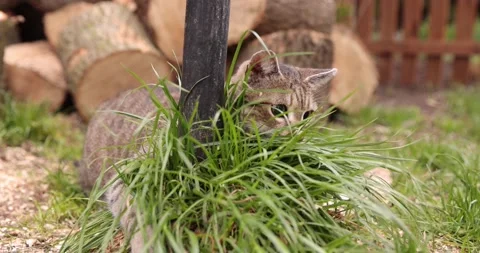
(20,122)
(66,201)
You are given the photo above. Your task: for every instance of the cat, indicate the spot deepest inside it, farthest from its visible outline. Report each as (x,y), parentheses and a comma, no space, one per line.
(295,93)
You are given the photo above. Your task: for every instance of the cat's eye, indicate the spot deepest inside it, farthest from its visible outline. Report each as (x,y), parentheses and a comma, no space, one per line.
(307,114)
(279,110)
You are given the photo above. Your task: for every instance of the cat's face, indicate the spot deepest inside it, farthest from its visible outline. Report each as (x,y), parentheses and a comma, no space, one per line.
(284,95)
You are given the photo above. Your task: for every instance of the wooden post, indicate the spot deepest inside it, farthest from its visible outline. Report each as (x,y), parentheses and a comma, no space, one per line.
(204,59)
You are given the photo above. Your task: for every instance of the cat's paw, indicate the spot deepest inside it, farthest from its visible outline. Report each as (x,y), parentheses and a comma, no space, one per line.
(137,243)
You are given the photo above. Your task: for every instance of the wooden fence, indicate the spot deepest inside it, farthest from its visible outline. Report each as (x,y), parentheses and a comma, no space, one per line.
(393,29)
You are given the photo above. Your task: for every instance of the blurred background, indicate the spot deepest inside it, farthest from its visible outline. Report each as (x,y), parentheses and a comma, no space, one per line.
(410,70)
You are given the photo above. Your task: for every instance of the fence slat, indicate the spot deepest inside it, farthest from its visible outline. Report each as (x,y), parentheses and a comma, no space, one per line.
(412,18)
(464,20)
(388,27)
(438,20)
(365,14)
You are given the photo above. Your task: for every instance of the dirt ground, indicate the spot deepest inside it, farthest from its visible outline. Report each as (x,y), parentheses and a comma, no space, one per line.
(23,189)
(23,192)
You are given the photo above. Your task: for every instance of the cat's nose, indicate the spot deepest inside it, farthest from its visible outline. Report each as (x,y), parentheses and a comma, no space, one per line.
(294,118)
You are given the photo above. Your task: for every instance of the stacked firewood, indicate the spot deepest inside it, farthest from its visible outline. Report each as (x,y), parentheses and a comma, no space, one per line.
(96,49)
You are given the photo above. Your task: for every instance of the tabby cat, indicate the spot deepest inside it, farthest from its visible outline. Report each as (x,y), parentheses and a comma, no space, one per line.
(294,94)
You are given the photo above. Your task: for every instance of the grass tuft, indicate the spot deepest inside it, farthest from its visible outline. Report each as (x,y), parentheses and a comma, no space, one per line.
(23,122)
(253,192)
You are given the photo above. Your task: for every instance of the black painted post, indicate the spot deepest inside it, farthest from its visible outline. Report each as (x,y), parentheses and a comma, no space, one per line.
(204,58)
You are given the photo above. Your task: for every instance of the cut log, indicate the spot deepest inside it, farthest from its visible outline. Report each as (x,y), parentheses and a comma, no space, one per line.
(8,4)
(317,15)
(130,4)
(55,21)
(52,5)
(98,49)
(165,21)
(34,74)
(294,41)
(357,73)
(9,35)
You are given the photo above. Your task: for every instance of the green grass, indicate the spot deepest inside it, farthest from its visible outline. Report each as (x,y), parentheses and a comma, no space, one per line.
(255,192)
(67,201)
(464,108)
(260,193)
(439,174)
(443,157)
(56,138)
(252,192)
(392,118)
(21,122)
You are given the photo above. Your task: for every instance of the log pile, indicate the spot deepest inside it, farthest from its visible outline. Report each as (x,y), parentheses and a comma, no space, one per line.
(9,35)
(52,5)
(55,21)
(295,40)
(280,15)
(97,62)
(97,43)
(360,78)
(35,67)
(165,21)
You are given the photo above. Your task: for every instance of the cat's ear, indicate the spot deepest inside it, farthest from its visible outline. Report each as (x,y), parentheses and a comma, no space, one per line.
(322,77)
(264,63)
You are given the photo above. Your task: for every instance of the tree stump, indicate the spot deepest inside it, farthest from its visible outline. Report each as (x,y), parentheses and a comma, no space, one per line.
(34,74)
(52,5)
(9,35)
(294,41)
(165,21)
(357,73)
(99,47)
(317,15)
(55,21)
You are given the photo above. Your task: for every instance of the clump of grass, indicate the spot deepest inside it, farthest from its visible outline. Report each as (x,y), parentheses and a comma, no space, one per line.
(252,192)
(67,196)
(20,122)
(66,202)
